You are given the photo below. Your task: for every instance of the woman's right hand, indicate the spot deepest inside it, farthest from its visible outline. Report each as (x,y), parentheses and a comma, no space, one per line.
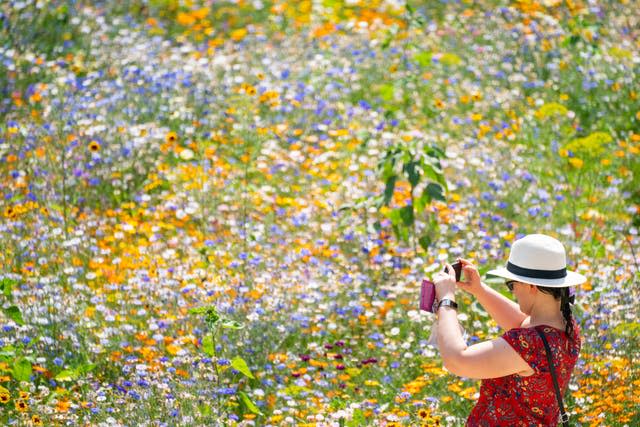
(471,283)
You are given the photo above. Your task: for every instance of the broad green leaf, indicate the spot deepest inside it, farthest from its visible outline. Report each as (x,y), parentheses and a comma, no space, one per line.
(198,310)
(425,242)
(431,170)
(249,404)
(406,213)
(8,351)
(5,286)
(435,191)
(207,345)
(412,173)
(14,314)
(87,368)
(231,324)
(67,375)
(240,365)
(22,370)
(388,189)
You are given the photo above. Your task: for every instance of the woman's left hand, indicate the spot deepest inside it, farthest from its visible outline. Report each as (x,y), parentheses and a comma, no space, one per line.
(445,283)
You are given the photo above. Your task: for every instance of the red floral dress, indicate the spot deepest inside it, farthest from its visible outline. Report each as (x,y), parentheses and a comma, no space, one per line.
(528,401)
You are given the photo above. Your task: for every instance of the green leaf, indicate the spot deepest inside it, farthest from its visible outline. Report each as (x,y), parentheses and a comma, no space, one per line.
(231,324)
(83,369)
(8,351)
(22,370)
(207,345)
(412,172)
(425,242)
(67,375)
(14,314)
(240,365)
(5,286)
(432,171)
(406,213)
(434,192)
(249,404)
(388,189)
(198,310)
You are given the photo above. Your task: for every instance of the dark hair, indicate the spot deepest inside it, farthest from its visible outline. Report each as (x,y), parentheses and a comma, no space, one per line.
(565,306)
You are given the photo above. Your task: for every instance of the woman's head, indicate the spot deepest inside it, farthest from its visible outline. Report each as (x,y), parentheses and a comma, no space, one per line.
(537,274)
(529,296)
(539,260)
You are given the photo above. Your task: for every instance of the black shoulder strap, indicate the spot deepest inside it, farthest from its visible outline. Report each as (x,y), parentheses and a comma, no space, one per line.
(564,417)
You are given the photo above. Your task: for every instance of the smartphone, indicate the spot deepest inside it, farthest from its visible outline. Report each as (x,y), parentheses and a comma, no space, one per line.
(427,295)
(457,267)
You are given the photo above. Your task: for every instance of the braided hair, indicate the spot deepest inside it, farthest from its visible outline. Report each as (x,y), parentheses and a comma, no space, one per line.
(566,299)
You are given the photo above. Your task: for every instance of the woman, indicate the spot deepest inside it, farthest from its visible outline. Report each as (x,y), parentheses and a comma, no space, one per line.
(517,387)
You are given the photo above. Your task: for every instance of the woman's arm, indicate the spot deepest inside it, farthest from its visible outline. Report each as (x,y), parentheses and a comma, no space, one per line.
(505,312)
(489,359)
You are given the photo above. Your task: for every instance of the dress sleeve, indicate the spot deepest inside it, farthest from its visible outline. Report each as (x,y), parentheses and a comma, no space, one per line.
(526,344)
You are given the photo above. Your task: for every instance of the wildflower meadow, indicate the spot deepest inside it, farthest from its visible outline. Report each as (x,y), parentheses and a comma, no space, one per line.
(219,213)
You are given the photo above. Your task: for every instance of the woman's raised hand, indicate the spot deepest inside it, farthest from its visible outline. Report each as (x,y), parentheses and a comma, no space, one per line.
(471,282)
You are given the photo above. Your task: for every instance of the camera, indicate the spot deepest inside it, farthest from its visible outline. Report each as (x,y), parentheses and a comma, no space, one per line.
(428,289)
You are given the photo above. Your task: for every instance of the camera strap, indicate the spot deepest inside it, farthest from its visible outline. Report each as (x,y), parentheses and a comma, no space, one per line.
(564,417)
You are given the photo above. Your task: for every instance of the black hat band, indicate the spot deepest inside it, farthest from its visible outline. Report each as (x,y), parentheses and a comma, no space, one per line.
(536,274)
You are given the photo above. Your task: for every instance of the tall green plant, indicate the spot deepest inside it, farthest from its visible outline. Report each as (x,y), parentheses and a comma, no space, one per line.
(422,169)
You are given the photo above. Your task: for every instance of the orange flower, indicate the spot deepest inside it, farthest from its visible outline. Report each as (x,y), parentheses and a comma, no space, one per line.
(63,406)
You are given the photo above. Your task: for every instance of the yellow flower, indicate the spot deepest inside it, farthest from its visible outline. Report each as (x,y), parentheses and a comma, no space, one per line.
(94,146)
(36,420)
(4,395)
(576,163)
(21,406)
(423,413)
(10,212)
(591,145)
(239,34)
(171,137)
(551,109)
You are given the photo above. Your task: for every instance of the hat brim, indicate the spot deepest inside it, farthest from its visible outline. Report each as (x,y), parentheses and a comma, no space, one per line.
(571,279)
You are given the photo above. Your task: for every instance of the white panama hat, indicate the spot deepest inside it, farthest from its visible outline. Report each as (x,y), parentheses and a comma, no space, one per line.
(538,259)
